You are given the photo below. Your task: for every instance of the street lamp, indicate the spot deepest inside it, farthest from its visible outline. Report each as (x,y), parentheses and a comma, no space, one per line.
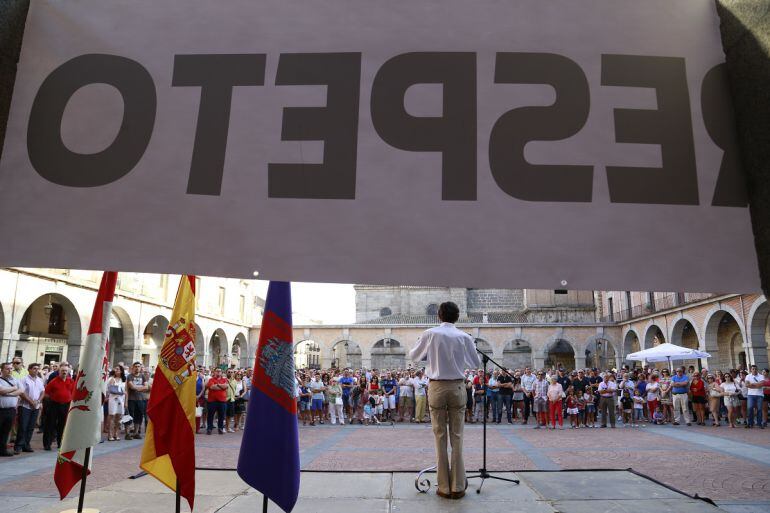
(47,309)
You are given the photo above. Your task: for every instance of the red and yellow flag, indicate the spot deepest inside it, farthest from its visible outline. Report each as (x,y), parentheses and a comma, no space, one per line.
(169,445)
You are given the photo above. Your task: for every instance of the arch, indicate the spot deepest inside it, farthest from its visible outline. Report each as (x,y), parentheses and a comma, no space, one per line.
(600,352)
(200,345)
(720,327)
(517,354)
(240,351)
(50,321)
(684,333)
(385,311)
(653,336)
(680,328)
(388,353)
(219,349)
(560,353)
(152,339)
(759,315)
(347,354)
(484,346)
(631,340)
(307,354)
(631,343)
(122,340)
(737,353)
(431,309)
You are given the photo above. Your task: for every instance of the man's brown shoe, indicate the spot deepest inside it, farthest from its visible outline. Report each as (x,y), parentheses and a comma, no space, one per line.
(458,495)
(445,495)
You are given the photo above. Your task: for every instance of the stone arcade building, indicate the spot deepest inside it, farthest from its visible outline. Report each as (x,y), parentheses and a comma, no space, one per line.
(45,313)
(543,327)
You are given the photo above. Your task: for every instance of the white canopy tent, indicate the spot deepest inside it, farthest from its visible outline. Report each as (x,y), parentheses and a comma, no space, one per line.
(667,353)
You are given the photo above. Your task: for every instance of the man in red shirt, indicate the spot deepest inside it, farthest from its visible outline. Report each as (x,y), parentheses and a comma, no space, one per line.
(217,403)
(58,391)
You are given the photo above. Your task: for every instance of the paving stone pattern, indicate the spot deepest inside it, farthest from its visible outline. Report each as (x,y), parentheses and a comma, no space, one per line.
(697,460)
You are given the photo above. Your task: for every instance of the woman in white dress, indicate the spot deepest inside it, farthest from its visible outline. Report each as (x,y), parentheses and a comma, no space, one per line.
(730,393)
(116,401)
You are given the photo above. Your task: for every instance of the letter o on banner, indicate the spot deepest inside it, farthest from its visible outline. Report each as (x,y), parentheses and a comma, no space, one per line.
(47,152)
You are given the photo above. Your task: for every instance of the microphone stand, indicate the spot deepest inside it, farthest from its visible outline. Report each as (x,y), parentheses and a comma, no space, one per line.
(483,473)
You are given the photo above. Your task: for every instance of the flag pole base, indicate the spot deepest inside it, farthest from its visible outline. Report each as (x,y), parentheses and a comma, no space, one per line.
(85,510)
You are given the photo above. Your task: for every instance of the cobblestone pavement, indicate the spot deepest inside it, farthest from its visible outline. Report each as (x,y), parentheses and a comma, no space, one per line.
(727,465)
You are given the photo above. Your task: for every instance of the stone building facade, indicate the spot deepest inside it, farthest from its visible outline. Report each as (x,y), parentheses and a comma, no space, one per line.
(45,314)
(548,328)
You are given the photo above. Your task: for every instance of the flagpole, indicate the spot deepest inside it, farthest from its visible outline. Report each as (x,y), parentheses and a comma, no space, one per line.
(178,497)
(82,497)
(264,503)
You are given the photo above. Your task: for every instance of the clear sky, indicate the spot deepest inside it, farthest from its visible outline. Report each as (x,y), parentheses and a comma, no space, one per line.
(329,303)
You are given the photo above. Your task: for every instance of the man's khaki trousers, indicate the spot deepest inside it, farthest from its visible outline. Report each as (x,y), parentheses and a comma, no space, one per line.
(447,412)
(419,408)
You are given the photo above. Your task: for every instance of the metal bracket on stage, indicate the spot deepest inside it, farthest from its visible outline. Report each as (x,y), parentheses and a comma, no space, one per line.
(423,483)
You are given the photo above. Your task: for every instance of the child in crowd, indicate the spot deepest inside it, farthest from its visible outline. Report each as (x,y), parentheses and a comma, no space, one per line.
(368,410)
(572,408)
(638,407)
(627,407)
(590,418)
(581,402)
(377,406)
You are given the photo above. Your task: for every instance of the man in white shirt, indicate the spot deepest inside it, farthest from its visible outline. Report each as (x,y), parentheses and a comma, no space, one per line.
(420,384)
(754,383)
(607,390)
(32,389)
(449,351)
(528,384)
(10,390)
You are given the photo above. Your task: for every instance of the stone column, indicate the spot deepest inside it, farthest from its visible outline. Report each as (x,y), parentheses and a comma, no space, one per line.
(73,352)
(326,358)
(7,347)
(538,362)
(366,358)
(756,356)
(497,355)
(580,362)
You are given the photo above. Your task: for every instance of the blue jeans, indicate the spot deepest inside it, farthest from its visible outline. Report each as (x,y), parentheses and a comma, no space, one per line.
(26,428)
(218,407)
(754,401)
(506,403)
(497,404)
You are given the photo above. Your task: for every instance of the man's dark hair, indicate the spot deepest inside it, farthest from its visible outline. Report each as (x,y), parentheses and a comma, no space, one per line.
(448,312)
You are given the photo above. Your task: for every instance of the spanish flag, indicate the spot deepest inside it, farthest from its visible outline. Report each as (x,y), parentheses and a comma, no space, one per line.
(169,445)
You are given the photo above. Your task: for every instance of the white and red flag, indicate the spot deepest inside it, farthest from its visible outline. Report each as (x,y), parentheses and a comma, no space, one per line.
(84,421)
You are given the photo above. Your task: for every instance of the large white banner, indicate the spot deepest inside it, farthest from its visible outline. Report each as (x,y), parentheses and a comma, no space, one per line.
(486,143)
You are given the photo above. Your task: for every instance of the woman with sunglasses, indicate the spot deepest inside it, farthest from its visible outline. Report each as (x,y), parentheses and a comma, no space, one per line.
(666,401)
(730,393)
(740,382)
(698,394)
(653,396)
(240,401)
(714,396)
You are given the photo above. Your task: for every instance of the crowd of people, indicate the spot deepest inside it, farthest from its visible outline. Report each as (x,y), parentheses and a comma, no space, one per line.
(585,398)
(39,395)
